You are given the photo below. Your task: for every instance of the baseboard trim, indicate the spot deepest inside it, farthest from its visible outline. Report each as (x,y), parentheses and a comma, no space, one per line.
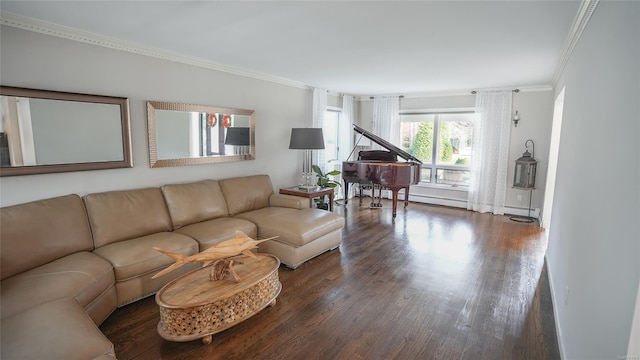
(555,308)
(508,210)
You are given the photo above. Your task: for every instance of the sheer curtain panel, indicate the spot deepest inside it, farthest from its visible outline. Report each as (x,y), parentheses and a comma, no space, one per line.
(345,131)
(488,187)
(386,119)
(317,121)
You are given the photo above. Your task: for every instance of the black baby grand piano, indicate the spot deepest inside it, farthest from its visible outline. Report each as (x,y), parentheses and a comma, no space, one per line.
(382,168)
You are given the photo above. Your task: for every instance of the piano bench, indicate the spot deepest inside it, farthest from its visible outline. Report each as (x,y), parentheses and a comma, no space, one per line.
(303,235)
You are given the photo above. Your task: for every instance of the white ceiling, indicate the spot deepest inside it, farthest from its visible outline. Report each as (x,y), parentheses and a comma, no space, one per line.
(354,47)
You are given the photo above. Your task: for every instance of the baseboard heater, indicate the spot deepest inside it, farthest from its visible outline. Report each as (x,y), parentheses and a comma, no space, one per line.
(457,203)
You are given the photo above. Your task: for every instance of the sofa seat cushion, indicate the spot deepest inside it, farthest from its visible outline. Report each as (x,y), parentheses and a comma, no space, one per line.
(83,276)
(212,232)
(136,257)
(54,330)
(293,256)
(295,227)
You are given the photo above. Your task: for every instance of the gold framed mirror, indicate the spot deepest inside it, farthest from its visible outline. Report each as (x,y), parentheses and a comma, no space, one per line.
(188,134)
(44,131)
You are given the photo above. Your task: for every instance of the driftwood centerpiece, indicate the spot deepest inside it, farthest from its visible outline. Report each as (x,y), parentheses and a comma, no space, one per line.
(221,268)
(241,244)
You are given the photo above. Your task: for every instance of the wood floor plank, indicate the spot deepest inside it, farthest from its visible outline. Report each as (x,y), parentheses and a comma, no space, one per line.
(436,283)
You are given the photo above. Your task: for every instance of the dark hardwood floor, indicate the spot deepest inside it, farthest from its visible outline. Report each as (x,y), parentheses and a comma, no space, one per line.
(438,283)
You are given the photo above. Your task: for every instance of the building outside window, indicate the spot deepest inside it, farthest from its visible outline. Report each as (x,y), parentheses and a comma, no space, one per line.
(443,142)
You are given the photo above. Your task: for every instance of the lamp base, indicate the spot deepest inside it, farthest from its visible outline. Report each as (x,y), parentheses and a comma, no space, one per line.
(308,181)
(522,219)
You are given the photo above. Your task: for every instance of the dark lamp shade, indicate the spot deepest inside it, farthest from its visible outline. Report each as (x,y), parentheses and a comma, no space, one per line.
(306,139)
(238,136)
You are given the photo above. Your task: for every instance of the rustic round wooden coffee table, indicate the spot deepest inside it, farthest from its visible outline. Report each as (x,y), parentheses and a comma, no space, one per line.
(194,307)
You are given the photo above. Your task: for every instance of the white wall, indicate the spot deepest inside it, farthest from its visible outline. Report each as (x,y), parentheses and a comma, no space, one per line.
(536,114)
(536,110)
(594,243)
(33,60)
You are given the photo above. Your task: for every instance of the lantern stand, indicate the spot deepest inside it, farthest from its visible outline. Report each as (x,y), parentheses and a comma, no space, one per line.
(524,177)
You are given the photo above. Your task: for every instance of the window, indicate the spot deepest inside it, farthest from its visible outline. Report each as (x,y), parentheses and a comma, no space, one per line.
(447,159)
(331,152)
(330,133)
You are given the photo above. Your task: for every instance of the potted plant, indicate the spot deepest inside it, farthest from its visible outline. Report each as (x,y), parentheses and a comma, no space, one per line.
(324,181)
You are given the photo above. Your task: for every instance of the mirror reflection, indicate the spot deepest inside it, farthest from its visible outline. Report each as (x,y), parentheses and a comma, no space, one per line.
(46,131)
(184,134)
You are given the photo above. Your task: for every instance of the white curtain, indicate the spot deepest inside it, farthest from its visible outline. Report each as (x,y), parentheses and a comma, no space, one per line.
(487,190)
(345,132)
(386,119)
(317,121)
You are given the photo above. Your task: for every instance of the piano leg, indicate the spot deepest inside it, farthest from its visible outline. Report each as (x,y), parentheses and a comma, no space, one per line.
(395,201)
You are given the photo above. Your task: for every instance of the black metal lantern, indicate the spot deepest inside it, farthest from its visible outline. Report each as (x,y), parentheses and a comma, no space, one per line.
(524,176)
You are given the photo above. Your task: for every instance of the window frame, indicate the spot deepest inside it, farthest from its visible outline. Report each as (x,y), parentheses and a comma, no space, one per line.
(433,166)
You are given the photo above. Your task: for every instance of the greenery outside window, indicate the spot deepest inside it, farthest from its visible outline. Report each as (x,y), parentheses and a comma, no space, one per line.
(443,142)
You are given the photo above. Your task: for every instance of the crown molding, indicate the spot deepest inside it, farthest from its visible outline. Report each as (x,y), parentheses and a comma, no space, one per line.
(587,7)
(65,32)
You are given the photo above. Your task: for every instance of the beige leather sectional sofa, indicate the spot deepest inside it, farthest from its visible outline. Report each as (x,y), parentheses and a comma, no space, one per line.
(68,262)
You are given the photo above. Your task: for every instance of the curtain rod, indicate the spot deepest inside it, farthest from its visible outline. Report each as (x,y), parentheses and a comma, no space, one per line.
(373,97)
(514,90)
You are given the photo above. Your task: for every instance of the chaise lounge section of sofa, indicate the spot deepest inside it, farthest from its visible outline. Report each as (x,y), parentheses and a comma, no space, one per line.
(68,262)
(303,233)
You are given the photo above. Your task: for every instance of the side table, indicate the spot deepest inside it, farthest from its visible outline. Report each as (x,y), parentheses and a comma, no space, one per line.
(310,193)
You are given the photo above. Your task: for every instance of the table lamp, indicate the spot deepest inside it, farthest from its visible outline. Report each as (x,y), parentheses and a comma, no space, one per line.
(307,139)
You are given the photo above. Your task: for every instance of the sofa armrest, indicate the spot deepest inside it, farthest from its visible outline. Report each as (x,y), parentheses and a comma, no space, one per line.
(290,201)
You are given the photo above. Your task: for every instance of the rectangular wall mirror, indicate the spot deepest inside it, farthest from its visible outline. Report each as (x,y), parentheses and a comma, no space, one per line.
(187,134)
(45,131)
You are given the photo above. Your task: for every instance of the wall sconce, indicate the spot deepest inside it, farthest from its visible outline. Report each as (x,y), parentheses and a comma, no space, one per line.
(307,139)
(516,118)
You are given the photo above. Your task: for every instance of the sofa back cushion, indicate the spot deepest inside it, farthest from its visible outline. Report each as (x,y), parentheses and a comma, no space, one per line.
(121,215)
(194,202)
(246,193)
(35,233)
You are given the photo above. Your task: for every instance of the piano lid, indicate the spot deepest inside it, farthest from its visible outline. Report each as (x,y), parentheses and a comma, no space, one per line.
(387,145)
